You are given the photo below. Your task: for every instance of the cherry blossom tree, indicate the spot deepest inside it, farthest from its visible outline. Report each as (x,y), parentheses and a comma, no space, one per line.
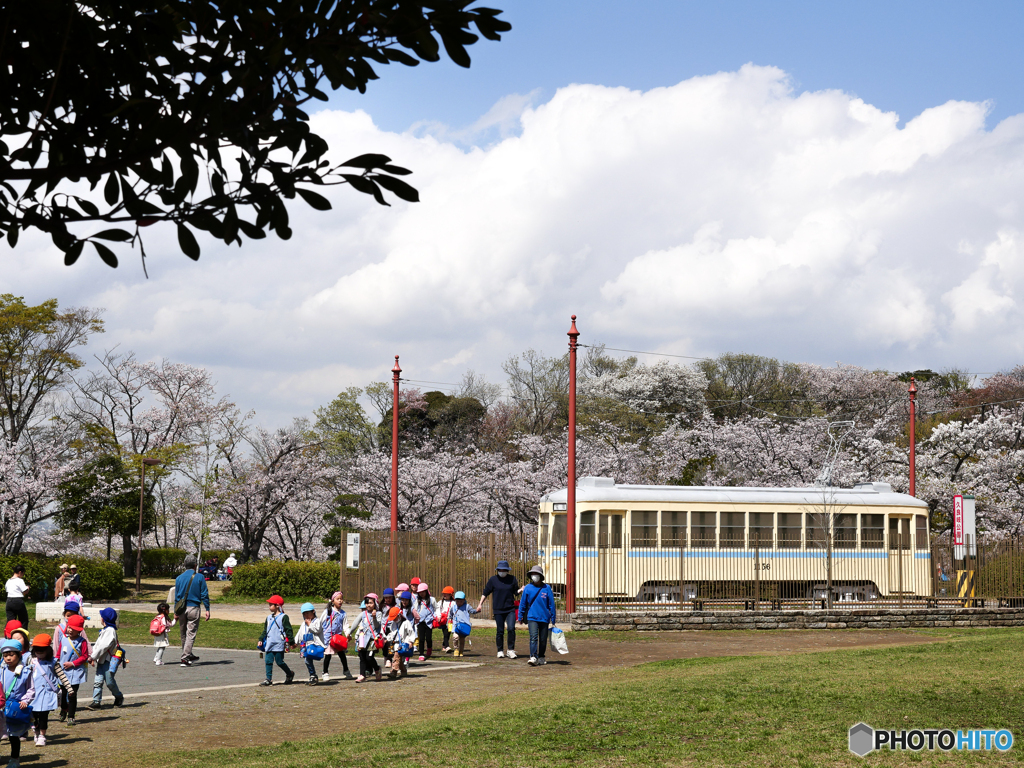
(269,485)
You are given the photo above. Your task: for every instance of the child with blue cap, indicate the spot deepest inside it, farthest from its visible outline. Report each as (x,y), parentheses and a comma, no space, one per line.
(459,618)
(312,640)
(16,682)
(106,655)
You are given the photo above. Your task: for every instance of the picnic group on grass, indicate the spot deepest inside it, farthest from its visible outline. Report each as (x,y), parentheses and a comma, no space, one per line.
(43,674)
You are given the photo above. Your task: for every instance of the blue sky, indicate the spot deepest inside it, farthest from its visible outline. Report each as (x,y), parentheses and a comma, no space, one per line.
(899,56)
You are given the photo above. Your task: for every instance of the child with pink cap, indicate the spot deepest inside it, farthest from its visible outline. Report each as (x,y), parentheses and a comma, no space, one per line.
(424,611)
(368,636)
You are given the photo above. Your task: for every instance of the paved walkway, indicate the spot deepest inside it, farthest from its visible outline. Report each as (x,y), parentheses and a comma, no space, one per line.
(257,613)
(220,669)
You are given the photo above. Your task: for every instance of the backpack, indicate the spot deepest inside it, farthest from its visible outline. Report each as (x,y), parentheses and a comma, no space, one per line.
(156,626)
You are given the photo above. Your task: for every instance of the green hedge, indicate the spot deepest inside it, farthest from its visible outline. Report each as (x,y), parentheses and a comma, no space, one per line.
(289,579)
(101,579)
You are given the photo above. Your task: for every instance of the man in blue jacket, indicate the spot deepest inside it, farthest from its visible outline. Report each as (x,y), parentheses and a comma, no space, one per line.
(192,585)
(537,607)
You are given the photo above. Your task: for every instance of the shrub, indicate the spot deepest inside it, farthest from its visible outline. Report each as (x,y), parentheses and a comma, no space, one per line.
(101,579)
(289,579)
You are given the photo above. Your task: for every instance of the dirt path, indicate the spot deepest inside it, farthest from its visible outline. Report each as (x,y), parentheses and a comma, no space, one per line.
(242,717)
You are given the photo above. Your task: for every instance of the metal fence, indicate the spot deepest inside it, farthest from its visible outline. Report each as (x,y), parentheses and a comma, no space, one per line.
(897,572)
(739,575)
(464,561)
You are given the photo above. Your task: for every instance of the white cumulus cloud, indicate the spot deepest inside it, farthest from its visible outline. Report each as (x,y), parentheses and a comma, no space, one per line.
(727,212)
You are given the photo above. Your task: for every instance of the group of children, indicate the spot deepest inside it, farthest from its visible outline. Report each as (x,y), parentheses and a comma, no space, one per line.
(42,674)
(398,624)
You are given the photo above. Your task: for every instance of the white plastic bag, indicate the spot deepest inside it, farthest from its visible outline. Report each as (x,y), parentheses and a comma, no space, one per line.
(558,641)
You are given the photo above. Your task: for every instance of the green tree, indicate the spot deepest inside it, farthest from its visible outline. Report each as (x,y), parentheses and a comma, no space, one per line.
(104,498)
(347,513)
(192,111)
(37,357)
(341,426)
(741,385)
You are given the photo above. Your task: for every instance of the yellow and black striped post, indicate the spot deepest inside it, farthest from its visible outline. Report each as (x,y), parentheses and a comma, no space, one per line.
(965,583)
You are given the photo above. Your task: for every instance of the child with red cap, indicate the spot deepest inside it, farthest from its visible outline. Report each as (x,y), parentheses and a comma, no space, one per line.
(276,639)
(444,607)
(47,685)
(72,652)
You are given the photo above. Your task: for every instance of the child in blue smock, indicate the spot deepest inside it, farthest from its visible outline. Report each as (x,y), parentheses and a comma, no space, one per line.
(47,685)
(72,653)
(276,639)
(459,614)
(16,682)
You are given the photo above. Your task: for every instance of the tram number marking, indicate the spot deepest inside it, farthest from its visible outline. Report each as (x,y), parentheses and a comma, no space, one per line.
(763,567)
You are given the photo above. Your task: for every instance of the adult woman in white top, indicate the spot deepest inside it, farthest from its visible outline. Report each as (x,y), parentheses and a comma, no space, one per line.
(17,588)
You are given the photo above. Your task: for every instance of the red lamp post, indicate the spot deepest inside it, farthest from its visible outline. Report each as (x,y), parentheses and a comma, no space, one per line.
(396,376)
(570,507)
(913,436)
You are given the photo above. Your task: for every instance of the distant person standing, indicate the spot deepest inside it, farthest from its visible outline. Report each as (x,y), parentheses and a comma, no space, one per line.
(73,584)
(17,588)
(504,586)
(191,586)
(58,585)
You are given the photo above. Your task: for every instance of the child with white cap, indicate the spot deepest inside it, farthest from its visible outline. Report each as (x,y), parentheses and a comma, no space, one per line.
(424,612)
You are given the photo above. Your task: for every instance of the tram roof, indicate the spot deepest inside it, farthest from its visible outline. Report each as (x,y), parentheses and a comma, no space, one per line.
(605,489)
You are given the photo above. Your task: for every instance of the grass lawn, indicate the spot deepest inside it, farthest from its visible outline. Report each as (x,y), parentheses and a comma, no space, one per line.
(775,711)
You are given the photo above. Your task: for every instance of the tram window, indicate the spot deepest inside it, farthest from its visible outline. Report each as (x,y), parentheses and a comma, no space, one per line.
(733,527)
(644,529)
(558,530)
(703,529)
(762,526)
(872,531)
(846,532)
(922,532)
(789,530)
(588,536)
(673,529)
(816,531)
(543,532)
(610,532)
(899,533)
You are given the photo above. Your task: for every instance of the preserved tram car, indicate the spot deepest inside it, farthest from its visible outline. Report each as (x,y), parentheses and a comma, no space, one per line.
(643,543)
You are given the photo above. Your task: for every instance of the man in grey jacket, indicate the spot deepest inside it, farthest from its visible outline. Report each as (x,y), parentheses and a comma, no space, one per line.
(192,585)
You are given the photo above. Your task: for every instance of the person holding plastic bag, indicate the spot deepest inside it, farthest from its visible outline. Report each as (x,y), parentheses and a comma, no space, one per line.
(537,609)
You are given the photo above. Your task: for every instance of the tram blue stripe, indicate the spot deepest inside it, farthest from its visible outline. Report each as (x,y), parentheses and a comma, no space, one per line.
(742,554)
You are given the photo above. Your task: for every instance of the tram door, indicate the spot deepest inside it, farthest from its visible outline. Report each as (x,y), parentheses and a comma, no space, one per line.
(901,556)
(611,553)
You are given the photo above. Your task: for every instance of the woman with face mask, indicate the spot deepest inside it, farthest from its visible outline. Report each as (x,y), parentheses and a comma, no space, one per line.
(537,607)
(504,587)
